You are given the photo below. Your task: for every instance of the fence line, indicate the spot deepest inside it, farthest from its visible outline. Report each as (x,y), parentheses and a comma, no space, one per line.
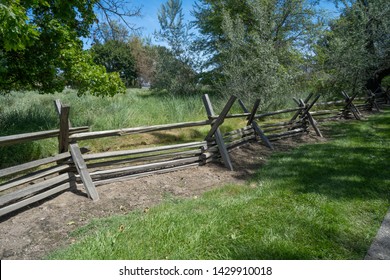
(33,181)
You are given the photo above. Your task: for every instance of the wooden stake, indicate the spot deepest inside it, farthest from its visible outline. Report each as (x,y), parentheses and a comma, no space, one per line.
(220,118)
(63,138)
(83,171)
(299,111)
(309,116)
(350,106)
(218,135)
(58,105)
(254,124)
(253,112)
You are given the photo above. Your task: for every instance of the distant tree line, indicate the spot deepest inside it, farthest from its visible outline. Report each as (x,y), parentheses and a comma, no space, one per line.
(252,48)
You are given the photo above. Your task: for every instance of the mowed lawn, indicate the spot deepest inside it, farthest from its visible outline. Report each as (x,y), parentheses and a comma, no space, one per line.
(318,201)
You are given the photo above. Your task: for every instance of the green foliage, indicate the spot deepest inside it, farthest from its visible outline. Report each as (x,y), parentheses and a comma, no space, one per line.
(42,49)
(355,52)
(172,74)
(248,63)
(386,82)
(173,29)
(289,24)
(15,32)
(116,56)
(87,77)
(319,201)
(257,48)
(173,71)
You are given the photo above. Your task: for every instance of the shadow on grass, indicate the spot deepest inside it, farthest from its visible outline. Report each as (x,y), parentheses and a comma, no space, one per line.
(349,177)
(354,165)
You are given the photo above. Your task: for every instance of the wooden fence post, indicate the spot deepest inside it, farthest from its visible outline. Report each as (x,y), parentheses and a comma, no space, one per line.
(215,128)
(349,106)
(299,111)
(83,171)
(221,118)
(255,125)
(57,106)
(310,117)
(63,138)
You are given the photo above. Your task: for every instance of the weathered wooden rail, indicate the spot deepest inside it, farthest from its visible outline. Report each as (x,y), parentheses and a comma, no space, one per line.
(350,106)
(70,168)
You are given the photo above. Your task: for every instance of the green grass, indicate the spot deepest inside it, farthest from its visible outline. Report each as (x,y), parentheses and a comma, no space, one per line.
(22,111)
(319,201)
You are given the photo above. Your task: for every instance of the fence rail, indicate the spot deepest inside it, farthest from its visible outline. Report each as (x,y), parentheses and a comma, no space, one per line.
(27,137)
(36,180)
(136,130)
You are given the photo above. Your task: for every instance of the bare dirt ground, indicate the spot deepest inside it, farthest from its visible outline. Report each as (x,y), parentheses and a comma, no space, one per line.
(35,231)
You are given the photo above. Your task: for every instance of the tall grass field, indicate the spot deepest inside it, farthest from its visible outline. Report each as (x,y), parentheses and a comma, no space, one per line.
(318,201)
(22,112)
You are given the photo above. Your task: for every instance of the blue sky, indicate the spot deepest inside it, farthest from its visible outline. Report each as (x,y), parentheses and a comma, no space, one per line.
(149,22)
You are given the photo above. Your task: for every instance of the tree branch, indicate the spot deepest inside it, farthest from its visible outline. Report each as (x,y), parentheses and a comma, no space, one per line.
(112,9)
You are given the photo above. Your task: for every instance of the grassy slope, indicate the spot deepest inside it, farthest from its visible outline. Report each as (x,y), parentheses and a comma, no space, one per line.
(321,201)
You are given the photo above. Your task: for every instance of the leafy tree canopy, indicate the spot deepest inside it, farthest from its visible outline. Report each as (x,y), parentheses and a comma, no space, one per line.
(173,70)
(40,47)
(289,24)
(355,51)
(116,56)
(257,48)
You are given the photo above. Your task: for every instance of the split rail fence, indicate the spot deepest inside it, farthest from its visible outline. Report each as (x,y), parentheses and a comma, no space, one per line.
(37,180)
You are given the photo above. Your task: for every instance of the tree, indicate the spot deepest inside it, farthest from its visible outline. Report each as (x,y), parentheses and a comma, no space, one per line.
(248,65)
(111,49)
(355,51)
(41,49)
(291,24)
(173,30)
(172,74)
(145,56)
(110,12)
(115,31)
(173,69)
(256,48)
(116,56)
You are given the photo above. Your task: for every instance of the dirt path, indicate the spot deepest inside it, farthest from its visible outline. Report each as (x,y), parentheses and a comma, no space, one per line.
(36,231)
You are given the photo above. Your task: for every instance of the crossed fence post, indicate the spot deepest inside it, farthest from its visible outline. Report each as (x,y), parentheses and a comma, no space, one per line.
(255,125)
(215,131)
(349,106)
(64,146)
(304,112)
